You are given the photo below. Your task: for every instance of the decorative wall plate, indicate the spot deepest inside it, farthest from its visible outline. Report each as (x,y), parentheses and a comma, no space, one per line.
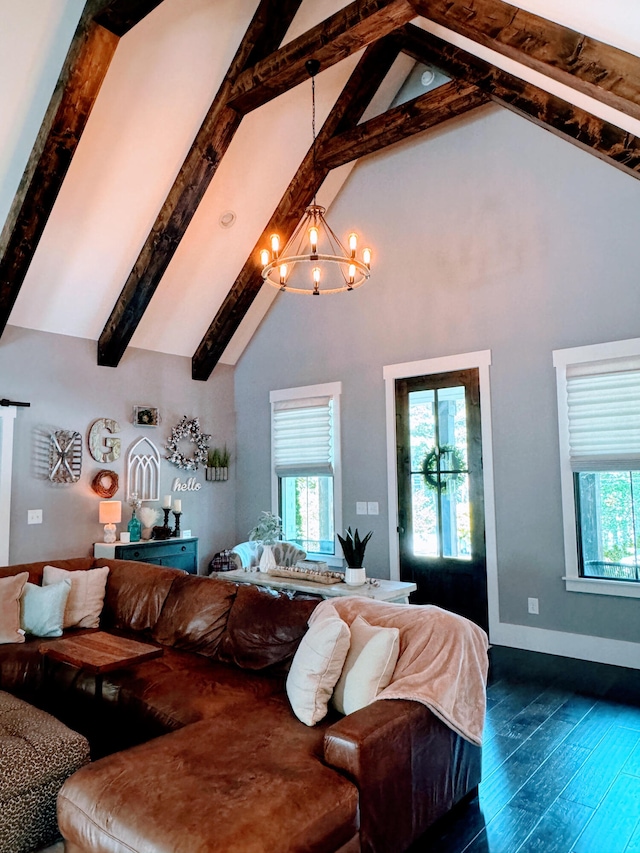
(65,456)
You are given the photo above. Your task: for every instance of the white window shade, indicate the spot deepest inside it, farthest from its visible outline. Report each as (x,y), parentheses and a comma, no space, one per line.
(604,415)
(303,437)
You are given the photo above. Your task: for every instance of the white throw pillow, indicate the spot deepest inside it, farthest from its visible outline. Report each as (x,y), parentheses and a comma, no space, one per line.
(86,598)
(316,667)
(372,657)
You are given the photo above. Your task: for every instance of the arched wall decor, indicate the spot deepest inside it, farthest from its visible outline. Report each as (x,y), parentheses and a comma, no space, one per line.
(143,470)
(97,443)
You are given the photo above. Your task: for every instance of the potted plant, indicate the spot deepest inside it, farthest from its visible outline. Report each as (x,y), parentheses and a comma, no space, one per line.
(267,532)
(353,548)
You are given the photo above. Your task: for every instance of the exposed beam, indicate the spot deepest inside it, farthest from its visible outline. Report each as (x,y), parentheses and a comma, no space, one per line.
(340,35)
(119,16)
(573,124)
(604,72)
(347,111)
(82,75)
(264,34)
(428,110)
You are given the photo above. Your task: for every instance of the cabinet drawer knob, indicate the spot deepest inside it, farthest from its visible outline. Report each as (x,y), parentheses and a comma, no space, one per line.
(136,553)
(184,548)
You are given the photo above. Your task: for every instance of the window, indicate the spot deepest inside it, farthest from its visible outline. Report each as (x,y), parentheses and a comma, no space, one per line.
(306,477)
(599,419)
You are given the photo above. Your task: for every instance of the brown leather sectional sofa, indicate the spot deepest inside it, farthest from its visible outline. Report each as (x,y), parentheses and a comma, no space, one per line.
(205,754)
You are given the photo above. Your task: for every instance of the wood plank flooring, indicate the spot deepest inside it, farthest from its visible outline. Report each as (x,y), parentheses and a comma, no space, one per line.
(561,762)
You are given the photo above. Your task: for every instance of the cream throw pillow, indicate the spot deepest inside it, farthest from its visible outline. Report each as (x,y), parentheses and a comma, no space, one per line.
(372,657)
(10,592)
(86,598)
(316,667)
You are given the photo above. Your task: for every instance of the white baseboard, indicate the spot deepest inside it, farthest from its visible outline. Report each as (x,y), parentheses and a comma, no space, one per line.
(580,646)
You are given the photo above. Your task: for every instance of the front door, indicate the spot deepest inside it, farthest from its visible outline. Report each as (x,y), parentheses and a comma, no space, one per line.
(440,491)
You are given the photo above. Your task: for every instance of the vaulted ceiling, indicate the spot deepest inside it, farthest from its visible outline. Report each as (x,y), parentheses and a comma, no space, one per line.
(168,114)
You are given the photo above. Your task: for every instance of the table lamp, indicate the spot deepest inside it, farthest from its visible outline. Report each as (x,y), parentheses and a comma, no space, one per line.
(110,515)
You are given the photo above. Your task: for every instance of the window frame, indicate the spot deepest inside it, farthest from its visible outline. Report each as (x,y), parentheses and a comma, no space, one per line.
(326,389)
(562,358)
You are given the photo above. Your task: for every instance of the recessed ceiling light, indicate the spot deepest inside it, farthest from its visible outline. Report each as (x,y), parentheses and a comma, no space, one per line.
(227,219)
(428,77)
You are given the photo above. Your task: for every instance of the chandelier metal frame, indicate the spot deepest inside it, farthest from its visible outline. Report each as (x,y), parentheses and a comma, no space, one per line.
(323,246)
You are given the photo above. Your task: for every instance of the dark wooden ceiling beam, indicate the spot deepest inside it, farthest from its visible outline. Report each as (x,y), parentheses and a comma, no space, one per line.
(119,16)
(347,111)
(83,72)
(604,72)
(340,35)
(573,124)
(433,108)
(265,32)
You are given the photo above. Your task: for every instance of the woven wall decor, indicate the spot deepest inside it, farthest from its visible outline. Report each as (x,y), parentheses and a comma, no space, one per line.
(65,456)
(105,483)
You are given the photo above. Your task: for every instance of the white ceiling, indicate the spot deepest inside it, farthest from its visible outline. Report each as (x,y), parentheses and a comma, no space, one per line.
(164,75)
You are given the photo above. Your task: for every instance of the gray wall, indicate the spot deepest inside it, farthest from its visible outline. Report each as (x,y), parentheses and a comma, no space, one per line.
(59,376)
(488,234)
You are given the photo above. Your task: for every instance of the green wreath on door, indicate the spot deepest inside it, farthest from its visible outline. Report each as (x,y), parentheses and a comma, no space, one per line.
(430,466)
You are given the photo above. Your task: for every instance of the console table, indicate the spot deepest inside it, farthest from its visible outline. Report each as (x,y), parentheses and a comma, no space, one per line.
(393,591)
(175,553)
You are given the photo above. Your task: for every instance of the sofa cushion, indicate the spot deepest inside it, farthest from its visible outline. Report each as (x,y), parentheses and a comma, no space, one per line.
(253,783)
(42,608)
(86,598)
(372,657)
(195,613)
(264,627)
(135,595)
(316,668)
(10,591)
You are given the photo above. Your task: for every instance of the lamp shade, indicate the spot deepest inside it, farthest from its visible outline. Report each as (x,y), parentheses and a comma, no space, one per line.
(110,512)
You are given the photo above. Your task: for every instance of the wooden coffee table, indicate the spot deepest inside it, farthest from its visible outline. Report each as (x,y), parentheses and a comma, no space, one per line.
(98,653)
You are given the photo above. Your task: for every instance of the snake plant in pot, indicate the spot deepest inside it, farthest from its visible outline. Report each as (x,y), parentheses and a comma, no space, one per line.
(353,548)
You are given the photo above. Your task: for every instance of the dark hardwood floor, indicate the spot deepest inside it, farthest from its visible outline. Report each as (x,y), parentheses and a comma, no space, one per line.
(561,762)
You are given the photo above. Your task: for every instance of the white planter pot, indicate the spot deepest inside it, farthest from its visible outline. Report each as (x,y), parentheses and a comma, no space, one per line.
(267,560)
(355,577)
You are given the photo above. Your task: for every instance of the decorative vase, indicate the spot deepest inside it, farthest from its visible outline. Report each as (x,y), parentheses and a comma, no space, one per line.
(267,560)
(134,527)
(355,577)
(210,473)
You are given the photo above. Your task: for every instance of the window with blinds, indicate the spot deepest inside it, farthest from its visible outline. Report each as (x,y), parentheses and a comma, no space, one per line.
(305,466)
(602,424)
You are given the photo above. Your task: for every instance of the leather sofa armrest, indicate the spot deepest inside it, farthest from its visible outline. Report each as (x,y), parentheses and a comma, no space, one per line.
(409,768)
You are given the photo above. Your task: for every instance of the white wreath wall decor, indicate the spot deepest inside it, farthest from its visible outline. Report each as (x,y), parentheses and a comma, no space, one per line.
(189,430)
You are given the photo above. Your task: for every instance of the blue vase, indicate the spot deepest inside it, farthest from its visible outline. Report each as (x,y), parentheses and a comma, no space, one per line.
(134,527)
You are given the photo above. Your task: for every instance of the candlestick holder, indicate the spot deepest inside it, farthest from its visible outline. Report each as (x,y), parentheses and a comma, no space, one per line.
(176,532)
(163,532)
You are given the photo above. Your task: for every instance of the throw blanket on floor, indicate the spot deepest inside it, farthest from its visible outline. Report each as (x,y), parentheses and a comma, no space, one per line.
(443,659)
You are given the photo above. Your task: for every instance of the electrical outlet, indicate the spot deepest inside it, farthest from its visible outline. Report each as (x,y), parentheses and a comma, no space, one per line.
(34,516)
(361,507)
(372,507)
(533,606)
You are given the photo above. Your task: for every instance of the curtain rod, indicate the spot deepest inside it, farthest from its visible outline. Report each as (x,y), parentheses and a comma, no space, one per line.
(5,402)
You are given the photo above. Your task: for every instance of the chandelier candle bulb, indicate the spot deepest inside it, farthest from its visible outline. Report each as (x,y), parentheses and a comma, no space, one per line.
(353,244)
(313,239)
(366,257)
(275,245)
(264,257)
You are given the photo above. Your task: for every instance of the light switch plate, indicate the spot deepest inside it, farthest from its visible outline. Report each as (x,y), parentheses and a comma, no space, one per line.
(361,507)
(372,508)
(34,516)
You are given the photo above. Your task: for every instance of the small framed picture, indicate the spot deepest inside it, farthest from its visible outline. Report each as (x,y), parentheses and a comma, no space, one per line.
(146,416)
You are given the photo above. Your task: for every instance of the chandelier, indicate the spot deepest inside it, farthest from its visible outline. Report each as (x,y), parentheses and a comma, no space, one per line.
(314,261)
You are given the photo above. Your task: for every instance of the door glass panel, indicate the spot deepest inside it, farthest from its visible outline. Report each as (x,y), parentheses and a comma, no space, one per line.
(425,518)
(452,427)
(456,516)
(422,426)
